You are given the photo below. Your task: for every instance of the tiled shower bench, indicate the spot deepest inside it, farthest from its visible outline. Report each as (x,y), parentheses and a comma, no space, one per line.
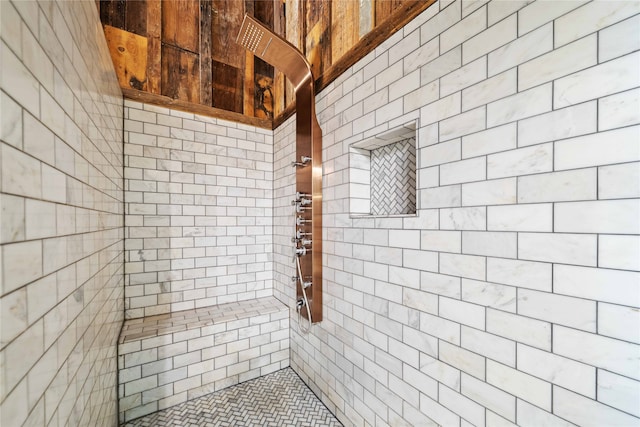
(170,358)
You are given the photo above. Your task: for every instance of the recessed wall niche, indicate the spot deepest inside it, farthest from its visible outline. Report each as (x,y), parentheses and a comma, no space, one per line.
(382,173)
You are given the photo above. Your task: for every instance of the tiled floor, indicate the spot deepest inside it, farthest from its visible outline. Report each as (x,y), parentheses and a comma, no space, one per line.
(278,399)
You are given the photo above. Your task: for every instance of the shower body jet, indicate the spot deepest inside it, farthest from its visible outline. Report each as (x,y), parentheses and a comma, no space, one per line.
(271,48)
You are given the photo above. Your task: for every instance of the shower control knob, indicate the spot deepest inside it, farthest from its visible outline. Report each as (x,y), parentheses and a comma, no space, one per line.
(306,284)
(300,221)
(299,234)
(301,209)
(305,242)
(294,278)
(299,251)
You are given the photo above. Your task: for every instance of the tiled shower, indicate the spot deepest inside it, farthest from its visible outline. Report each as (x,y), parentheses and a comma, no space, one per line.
(510,296)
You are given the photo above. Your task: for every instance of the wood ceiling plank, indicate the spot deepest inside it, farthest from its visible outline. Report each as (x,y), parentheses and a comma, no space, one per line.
(180,74)
(227,19)
(181,24)
(318,37)
(206,71)
(227,87)
(345,20)
(129,55)
(112,13)
(136,17)
(154,45)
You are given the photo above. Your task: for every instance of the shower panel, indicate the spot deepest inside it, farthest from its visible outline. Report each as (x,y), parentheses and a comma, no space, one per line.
(307,204)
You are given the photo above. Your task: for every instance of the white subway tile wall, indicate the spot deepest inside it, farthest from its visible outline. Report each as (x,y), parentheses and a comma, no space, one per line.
(61,202)
(513,297)
(198,211)
(168,359)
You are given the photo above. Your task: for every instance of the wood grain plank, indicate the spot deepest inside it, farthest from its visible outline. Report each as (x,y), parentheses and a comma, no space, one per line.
(279,27)
(180,74)
(112,13)
(227,87)
(345,20)
(386,8)
(154,45)
(136,17)
(164,101)
(227,19)
(206,72)
(318,37)
(181,24)
(129,55)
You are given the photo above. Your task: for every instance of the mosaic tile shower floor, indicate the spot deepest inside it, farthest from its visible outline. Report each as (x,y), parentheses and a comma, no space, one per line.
(278,399)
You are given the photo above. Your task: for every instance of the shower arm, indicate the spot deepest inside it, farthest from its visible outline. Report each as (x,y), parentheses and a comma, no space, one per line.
(284,56)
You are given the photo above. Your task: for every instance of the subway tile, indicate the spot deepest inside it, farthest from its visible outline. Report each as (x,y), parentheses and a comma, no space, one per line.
(520,384)
(490,397)
(465,407)
(463,124)
(619,39)
(602,352)
(595,82)
(495,87)
(590,18)
(463,77)
(578,249)
(526,217)
(493,37)
(462,359)
(584,411)
(473,218)
(531,416)
(614,286)
(491,346)
(462,312)
(557,309)
(558,370)
(615,216)
(619,110)
(571,185)
(519,106)
(441,65)
(619,392)
(519,328)
(523,48)
(464,30)
(489,294)
(567,122)
(613,321)
(493,192)
(522,161)
(22,263)
(539,13)
(20,173)
(573,57)
(489,243)
(621,252)
(469,266)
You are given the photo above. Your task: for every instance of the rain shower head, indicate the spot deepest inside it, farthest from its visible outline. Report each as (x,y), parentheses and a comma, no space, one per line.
(271,48)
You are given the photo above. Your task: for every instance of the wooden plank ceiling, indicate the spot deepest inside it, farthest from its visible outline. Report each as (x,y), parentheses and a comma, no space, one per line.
(182,53)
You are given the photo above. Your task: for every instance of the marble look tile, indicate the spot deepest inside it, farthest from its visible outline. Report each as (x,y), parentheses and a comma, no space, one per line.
(559,124)
(566,60)
(490,243)
(463,124)
(13,215)
(614,321)
(590,18)
(489,294)
(22,263)
(441,66)
(491,89)
(14,315)
(619,39)
(531,416)
(18,82)
(602,352)
(558,309)
(522,161)
(464,77)
(520,384)
(463,30)
(491,346)
(40,219)
(578,184)
(584,411)
(11,120)
(620,392)
(532,217)
(621,252)
(522,329)
(615,286)
(522,105)
(577,249)
(611,216)
(472,267)
(622,109)
(494,192)
(20,173)
(493,37)
(522,49)
(595,82)
(491,397)
(524,274)
(474,218)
